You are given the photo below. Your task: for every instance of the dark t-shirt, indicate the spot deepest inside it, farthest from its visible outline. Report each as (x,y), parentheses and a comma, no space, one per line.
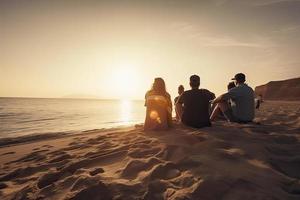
(196,107)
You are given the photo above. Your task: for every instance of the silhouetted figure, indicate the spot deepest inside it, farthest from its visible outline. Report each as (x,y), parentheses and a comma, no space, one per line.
(193,105)
(258,101)
(180,91)
(231,85)
(159,107)
(241,109)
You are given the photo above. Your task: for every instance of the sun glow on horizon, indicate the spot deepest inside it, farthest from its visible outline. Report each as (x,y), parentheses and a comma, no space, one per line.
(125,80)
(114,50)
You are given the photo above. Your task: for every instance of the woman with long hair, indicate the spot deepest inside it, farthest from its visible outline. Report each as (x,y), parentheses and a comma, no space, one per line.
(159,107)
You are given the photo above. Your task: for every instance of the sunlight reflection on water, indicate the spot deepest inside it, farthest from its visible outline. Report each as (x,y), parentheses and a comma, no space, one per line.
(23,116)
(126,110)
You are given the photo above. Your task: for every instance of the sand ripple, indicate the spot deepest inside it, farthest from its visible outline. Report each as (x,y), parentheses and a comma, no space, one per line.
(227,161)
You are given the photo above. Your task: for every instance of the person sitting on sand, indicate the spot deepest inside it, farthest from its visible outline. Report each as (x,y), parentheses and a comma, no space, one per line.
(180,91)
(241,109)
(258,101)
(193,105)
(212,106)
(159,107)
(231,85)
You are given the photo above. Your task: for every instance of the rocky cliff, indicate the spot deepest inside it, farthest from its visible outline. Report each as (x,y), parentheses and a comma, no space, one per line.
(280,90)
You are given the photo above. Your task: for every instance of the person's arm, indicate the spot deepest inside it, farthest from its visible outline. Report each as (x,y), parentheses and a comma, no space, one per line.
(175,100)
(231,94)
(219,99)
(146,95)
(169,103)
(222,98)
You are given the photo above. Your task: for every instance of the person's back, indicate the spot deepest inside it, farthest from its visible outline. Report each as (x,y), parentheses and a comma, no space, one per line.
(241,108)
(242,105)
(196,107)
(159,108)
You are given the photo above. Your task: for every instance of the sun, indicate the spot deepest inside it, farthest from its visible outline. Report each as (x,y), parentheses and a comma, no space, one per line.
(125,81)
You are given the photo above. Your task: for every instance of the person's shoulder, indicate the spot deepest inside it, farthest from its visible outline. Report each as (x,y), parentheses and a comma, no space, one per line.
(246,87)
(250,88)
(187,92)
(149,93)
(168,95)
(205,90)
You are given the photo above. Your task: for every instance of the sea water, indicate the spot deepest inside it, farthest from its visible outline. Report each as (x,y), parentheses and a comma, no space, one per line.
(26,116)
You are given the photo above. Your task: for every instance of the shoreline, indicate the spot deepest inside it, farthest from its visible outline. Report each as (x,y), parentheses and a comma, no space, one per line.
(5,141)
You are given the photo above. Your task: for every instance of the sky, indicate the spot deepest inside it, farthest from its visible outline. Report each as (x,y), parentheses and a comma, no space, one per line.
(114,49)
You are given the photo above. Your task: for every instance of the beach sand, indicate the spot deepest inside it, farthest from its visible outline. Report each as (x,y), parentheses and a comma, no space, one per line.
(225,161)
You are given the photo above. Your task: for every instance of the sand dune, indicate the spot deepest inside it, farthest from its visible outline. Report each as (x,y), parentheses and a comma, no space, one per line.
(226,161)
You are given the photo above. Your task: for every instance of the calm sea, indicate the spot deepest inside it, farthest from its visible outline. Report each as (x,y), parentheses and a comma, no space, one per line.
(25,116)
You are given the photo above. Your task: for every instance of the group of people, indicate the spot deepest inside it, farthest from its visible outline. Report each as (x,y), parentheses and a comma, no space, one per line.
(199,107)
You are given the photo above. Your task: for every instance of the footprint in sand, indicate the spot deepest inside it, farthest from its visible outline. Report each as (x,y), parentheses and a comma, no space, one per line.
(134,167)
(165,171)
(96,171)
(155,190)
(60,158)
(95,191)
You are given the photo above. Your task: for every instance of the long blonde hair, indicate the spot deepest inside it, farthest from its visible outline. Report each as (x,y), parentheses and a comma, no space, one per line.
(159,86)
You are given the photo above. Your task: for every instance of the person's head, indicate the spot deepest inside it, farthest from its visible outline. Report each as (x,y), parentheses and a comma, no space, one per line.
(230,85)
(239,78)
(159,85)
(180,89)
(194,81)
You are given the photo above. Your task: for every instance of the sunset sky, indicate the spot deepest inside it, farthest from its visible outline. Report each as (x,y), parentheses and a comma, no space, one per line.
(114,49)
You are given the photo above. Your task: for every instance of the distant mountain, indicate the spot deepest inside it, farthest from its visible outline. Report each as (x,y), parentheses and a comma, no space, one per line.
(280,90)
(80,96)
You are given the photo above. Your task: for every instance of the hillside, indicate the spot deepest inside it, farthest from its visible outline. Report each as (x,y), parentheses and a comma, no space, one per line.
(280,90)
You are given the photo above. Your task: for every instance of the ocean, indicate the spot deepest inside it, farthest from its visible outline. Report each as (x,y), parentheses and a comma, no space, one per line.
(27,116)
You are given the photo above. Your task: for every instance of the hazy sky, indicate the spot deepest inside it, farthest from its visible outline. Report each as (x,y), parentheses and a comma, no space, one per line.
(114,49)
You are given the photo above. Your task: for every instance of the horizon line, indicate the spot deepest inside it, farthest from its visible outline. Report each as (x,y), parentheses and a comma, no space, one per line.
(74,98)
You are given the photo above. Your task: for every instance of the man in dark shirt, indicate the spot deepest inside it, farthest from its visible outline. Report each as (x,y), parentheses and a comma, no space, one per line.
(193,105)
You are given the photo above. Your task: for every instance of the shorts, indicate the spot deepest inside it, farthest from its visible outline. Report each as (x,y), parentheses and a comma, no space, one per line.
(230,117)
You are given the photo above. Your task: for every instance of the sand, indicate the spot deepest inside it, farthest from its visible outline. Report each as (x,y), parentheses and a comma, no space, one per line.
(226,161)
